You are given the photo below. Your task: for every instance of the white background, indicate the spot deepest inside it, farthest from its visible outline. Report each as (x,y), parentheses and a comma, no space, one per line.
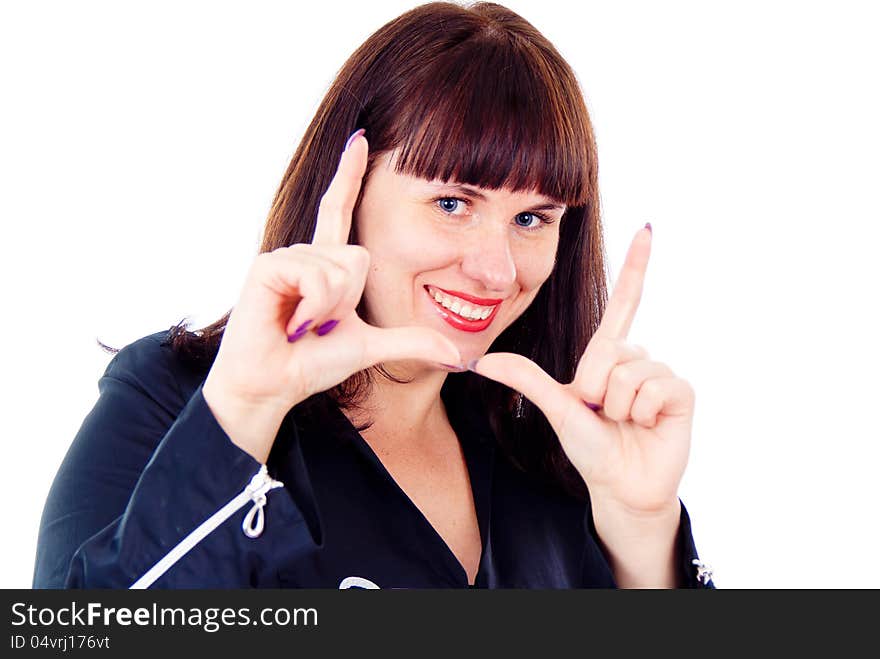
(141,144)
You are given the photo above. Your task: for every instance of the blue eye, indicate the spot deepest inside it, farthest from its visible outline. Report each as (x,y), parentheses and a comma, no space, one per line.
(541,218)
(448,204)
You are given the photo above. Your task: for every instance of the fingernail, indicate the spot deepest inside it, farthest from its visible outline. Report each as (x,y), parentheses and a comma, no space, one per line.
(593,406)
(457,368)
(649,228)
(326,327)
(472,365)
(302,329)
(354,136)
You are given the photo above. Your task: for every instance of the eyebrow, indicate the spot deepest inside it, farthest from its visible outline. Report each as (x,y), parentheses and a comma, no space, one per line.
(471,192)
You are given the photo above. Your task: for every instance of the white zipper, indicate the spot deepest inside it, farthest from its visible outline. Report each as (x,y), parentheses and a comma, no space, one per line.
(252,525)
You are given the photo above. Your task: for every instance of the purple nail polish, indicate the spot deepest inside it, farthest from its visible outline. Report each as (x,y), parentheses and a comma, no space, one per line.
(648,227)
(354,136)
(300,331)
(593,406)
(457,368)
(326,327)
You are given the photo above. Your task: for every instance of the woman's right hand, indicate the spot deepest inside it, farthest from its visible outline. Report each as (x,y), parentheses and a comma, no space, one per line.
(259,374)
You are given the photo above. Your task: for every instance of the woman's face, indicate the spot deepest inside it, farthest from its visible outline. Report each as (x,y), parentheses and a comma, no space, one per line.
(480,251)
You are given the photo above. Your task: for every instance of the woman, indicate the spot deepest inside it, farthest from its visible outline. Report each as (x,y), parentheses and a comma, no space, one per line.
(352,376)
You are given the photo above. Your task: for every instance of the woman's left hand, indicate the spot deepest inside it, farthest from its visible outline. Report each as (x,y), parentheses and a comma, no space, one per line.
(632,450)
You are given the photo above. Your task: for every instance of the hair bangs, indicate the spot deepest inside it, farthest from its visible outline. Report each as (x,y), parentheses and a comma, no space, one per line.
(496,114)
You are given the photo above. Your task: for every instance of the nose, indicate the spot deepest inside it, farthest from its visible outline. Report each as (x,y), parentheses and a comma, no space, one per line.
(489,260)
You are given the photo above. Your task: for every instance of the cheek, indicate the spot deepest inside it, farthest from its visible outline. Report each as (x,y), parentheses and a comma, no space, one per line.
(535,265)
(403,244)
(400,249)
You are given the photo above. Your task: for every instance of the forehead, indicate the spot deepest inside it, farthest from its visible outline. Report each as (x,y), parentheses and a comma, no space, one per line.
(385,164)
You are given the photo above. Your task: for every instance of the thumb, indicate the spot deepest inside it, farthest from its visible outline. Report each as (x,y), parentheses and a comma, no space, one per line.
(525,376)
(386,344)
(555,400)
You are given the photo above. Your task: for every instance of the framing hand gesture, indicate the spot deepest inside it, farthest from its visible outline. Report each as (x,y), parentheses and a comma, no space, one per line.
(624,421)
(295,332)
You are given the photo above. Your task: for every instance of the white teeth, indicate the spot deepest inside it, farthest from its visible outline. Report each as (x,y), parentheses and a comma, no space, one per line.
(464,309)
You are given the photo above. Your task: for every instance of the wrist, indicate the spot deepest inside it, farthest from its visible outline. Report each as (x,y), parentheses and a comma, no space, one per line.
(616,515)
(641,547)
(250,426)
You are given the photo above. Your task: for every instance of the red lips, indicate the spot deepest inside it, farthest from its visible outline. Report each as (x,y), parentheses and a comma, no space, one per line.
(482,301)
(460,322)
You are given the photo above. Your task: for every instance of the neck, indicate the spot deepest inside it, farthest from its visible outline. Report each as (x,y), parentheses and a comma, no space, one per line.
(410,412)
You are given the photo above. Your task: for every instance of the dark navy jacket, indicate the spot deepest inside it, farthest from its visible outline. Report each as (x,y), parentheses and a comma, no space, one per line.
(150,465)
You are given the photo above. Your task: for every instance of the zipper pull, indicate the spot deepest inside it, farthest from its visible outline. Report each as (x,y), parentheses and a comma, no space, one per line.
(252,525)
(255,520)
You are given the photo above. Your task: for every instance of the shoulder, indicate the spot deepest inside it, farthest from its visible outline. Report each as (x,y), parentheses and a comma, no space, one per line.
(150,365)
(144,353)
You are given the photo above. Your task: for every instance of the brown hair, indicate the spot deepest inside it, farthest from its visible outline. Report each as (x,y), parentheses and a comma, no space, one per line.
(477,95)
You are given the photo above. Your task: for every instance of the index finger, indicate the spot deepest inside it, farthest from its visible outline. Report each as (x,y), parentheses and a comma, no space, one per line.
(337,204)
(621,309)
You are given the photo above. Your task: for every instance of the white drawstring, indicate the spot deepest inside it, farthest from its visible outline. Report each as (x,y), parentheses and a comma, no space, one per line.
(250,529)
(252,525)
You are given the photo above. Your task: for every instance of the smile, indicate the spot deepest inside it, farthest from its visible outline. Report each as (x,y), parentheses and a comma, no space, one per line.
(461,313)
